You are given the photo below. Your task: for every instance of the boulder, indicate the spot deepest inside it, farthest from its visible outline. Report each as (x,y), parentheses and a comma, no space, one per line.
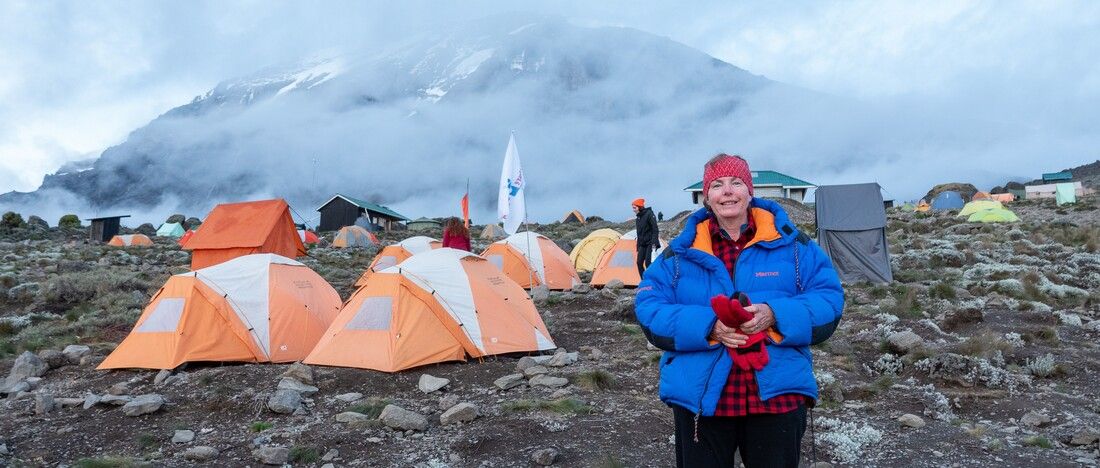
(400,418)
(201,453)
(904,341)
(535,370)
(183,436)
(176,218)
(562,359)
(430,383)
(117,400)
(300,372)
(350,397)
(624,306)
(288,383)
(525,362)
(147,229)
(548,381)
(1085,436)
(582,288)
(43,403)
(192,223)
(1034,419)
(75,352)
(462,412)
(615,284)
(911,420)
(272,455)
(448,401)
(90,400)
(35,222)
(26,365)
(53,358)
(121,388)
(143,404)
(509,381)
(284,401)
(162,376)
(545,457)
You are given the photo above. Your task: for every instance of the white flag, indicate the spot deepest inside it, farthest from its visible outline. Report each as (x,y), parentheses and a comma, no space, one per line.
(510,206)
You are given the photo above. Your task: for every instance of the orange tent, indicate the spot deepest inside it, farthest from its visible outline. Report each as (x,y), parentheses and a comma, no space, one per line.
(437,306)
(354,236)
(255,308)
(1003,197)
(531,259)
(621,262)
(574,217)
(981,196)
(186,237)
(130,240)
(923,206)
(391,255)
(308,237)
(235,229)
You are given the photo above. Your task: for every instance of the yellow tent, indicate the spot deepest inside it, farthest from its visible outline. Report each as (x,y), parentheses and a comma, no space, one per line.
(980,205)
(586,255)
(996,215)
(923,206)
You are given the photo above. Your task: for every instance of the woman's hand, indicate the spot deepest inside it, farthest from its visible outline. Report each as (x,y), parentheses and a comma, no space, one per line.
(727,336)
(763,318)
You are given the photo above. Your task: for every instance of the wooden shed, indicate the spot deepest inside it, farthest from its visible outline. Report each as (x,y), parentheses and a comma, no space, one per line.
(104,228)
(342,210)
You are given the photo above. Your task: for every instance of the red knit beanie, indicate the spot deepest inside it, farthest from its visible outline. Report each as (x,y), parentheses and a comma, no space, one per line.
(725,165)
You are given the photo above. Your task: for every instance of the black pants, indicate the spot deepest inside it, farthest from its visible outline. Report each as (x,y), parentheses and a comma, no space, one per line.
(645,257)
(764,440)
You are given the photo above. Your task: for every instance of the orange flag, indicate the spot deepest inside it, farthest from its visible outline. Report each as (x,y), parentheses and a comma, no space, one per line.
(466,209)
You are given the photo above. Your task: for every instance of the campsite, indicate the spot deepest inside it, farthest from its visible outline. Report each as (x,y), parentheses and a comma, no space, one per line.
(980,347)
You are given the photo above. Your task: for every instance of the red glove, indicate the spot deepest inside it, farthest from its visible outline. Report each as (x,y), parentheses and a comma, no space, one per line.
(753,354)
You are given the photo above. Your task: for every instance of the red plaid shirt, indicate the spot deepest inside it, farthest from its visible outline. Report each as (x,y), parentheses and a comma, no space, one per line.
(741,395)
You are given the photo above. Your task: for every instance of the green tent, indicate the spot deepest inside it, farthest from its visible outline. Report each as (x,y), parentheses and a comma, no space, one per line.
(170,230)
(1065,193)
(908,206)
(980,205)
(995,215)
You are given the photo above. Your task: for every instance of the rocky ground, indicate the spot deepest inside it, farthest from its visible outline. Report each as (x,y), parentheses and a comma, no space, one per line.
(983,352)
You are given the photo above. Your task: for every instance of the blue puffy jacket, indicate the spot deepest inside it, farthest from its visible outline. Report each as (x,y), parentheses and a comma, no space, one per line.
(673,307)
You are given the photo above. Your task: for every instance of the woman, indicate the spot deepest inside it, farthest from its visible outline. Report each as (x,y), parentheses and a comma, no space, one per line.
(738,374)
(455,235)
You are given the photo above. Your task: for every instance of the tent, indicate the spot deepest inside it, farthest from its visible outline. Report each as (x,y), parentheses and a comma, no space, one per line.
(621,262)
(586,254)
(493,231)
(949,200)
(851,228)
(170,230)
(423,224)
(922,206)
(980,205)
(186,237)
(130,240)
(981,196)
(308,237)
(574,217)
(235,229)
(354,236)
(253,308)
(391,255)
(531,259)
(908,206)
(437,306)
(995,215)
(1065,193)
(1003,197)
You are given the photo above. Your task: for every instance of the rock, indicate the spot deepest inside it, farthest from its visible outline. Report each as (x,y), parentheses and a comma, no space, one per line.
(300,372)
(1034,419)
(121,388)
(176,218)
(90,400)
(147,229)
(509,381)
(525,362)
(4,450)
(535,370)
(562,359)
(183,436)
(429,383)
(400,418)
(545,457)
(624,306)
(582,288)
(349,417)
(25,292)
(1086,436)
(560,393)
(614,284)
(43,403)
(68,402)
(350,397)
(903,342)
(143,404)
(448,401)
(20,386)
(53,358)
(272,455)
(548,381)
(540,293)
(192,223)
(284,401)
(201,453)
(330,455)
(117,400)
(27,365)
(37,223)
(289,383)
(91,360)
(163,375)
(462,412)
(33,382)
(911,420)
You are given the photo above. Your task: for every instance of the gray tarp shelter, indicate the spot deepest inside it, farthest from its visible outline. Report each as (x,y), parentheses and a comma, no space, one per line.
(851,227)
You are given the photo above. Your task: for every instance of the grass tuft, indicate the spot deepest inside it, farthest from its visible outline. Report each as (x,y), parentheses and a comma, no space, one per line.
(595,380)
(372,408)
(260,426)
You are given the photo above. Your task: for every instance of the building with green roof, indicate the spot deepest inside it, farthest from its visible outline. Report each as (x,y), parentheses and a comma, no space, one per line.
(767,184)
(342,210)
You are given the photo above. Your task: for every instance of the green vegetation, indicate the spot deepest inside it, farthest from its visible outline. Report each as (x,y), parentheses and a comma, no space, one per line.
(107,462)
(260,426)
(69,221)
(304,455)
(595,380)
(12,220)
(1038,441)
(372,407)
(942,290)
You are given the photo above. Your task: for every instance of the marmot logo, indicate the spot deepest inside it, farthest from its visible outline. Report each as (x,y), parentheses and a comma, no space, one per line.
(761,274)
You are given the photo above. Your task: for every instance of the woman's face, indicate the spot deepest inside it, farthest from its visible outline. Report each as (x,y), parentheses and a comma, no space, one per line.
(728,197)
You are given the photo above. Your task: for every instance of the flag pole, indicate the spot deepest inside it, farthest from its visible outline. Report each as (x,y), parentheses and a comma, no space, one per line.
(527,229)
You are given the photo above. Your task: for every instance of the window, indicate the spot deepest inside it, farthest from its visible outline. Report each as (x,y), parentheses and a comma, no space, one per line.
(497,260)
(373,314)
(384,262)
(621,259)
(165,317)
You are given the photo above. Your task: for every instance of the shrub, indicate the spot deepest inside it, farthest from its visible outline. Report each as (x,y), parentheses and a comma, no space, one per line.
(1038,441)
(260,426)
(942,290)
(596,380)
(12,220)
(106,462)
(69,221)
(1042,366)
(372,407)
(304,455)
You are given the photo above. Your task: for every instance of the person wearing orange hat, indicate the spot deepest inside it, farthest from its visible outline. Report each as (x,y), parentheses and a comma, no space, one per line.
(645,225)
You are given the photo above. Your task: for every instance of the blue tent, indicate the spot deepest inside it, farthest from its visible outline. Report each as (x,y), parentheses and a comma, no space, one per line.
(949,200)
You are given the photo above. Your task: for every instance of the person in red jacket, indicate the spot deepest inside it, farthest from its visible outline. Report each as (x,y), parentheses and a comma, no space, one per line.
(455,235)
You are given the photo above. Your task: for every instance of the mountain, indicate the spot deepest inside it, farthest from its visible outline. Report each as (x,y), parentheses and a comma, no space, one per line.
(602,115)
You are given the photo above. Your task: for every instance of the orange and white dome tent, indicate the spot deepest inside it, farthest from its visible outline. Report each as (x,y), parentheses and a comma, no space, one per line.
(531,259)
(393,254)
(130,240)
(354,236)
(437,306)
(255,308)
(621,262)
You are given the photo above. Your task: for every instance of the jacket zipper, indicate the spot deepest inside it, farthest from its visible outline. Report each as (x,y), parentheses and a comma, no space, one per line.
(706,384)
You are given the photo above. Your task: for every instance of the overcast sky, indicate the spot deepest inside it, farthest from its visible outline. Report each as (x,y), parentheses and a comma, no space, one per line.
(76,77)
